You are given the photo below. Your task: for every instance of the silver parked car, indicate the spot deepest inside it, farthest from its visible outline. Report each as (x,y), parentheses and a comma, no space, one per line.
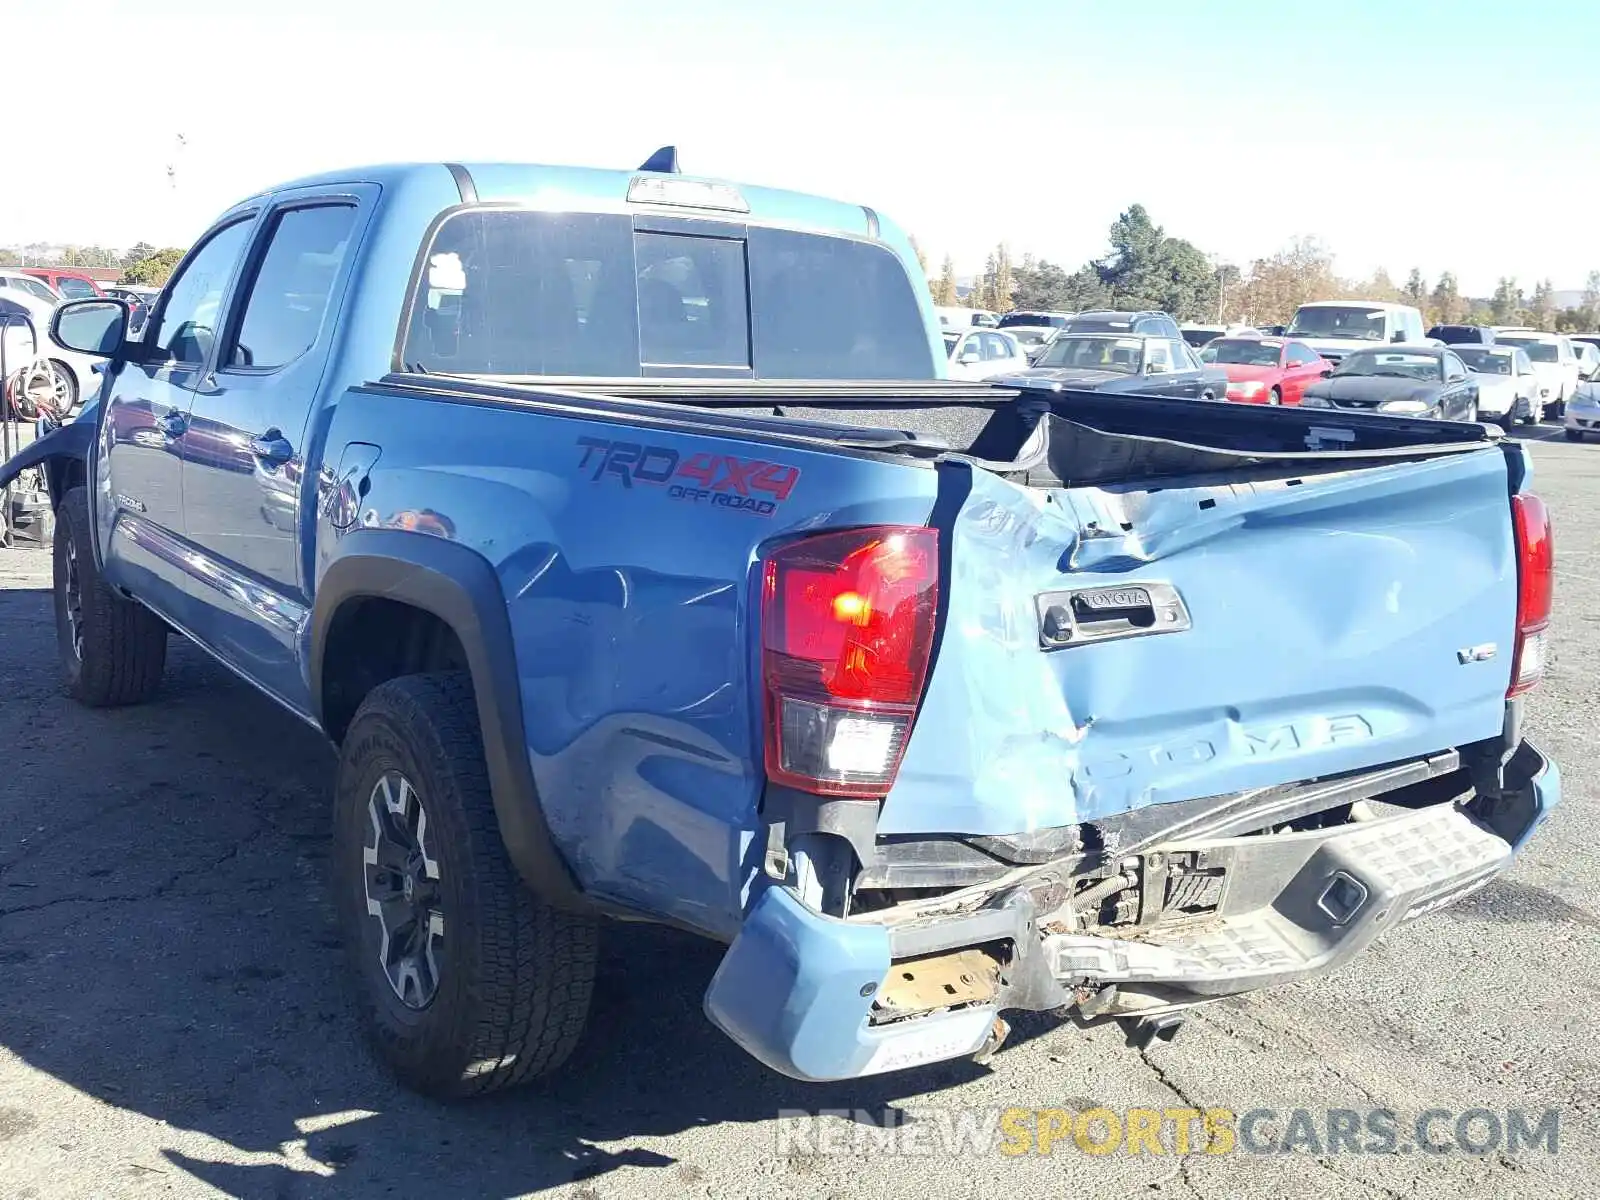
(16,281)
(1588,359)
(71,374)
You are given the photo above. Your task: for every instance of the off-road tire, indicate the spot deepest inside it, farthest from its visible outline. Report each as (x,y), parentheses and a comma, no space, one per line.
(120,647)
(515,975)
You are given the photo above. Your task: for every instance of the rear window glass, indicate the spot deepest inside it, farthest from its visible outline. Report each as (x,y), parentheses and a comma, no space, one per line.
(1100,324)
(1243,352)
(1539,352)
(74,288)
(1457,334)
(1401,364)
(693,301)
(1011,320)
(1486,360)
(509,292)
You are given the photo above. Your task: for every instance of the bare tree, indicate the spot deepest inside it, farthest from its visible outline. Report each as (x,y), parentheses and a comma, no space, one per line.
(1302,271)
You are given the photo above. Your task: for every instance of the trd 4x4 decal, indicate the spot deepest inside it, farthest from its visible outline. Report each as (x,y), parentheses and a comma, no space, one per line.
(718,480)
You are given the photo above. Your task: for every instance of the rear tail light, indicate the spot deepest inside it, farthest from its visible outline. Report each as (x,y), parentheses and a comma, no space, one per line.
(1536,574)
(847,624)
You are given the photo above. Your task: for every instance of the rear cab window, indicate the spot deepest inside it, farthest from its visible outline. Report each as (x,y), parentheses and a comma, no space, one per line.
(515,292)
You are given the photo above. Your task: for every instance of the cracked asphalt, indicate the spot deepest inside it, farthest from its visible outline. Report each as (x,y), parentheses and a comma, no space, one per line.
(174,1019)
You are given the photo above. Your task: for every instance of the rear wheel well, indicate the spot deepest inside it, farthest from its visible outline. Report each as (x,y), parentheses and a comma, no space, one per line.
(372,640)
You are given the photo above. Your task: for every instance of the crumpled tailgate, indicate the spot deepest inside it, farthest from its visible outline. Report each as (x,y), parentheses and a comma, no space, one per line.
(1322,623)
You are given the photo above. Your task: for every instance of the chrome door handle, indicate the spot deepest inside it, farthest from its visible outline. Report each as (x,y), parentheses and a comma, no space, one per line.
(272,448)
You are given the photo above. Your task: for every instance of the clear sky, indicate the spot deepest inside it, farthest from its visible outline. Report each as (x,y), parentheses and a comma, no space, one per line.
(1440,135)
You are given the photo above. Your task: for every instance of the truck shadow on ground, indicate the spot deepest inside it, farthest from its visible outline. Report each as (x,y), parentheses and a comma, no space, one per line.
(169,948)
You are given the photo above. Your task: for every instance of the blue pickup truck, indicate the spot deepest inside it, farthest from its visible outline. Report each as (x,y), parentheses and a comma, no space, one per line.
(620,530)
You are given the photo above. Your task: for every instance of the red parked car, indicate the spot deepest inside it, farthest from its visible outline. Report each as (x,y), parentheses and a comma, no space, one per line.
(74,285)
(1266,370)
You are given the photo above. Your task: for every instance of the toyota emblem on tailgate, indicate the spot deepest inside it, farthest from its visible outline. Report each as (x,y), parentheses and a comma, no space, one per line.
(1103,614)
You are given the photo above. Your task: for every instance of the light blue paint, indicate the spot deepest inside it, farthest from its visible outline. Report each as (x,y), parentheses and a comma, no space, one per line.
(1340,600)
(789,990)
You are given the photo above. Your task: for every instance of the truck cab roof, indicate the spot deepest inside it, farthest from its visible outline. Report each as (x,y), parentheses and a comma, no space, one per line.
(595,189)
(1373,305)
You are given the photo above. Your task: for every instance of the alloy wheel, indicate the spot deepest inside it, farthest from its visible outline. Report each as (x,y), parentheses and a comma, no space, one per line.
(74,600)
(401,877)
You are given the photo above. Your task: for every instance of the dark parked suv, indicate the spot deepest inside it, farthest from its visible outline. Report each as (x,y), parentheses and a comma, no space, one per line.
(1151,324)
(1463,335)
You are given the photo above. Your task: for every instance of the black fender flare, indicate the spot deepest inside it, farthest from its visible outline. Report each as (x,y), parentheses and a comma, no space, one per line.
(456,584)
(63,445)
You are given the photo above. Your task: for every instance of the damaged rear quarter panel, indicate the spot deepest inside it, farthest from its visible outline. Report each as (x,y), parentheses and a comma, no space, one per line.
(1327,619)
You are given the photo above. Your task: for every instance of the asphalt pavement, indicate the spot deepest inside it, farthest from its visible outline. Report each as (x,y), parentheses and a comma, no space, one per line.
(175,1019)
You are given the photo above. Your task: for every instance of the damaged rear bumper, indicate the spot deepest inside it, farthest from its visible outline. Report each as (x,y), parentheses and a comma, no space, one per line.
(806,993)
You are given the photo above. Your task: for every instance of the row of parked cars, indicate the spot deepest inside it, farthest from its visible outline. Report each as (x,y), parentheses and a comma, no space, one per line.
(1334,354)
(31,294)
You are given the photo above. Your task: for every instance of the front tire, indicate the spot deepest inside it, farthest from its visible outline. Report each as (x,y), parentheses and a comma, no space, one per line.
(112,649)
(1573,435)
(1275,396)
(469,983)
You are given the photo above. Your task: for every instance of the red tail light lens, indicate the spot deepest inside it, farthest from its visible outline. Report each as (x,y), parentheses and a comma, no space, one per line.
(846,631)
(1536,578)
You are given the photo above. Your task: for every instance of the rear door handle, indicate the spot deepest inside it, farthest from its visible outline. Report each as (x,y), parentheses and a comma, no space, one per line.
(1103,614)
(272,448)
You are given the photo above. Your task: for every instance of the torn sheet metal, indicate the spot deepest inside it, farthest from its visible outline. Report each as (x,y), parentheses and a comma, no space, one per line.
(1325,620)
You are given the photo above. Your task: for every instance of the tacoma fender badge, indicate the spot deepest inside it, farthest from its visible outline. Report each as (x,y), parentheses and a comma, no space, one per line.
(1477,654)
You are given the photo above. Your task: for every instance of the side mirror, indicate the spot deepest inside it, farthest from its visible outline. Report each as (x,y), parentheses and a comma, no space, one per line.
(969,356)
(97,327)
(1399,336)
(1325,372)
